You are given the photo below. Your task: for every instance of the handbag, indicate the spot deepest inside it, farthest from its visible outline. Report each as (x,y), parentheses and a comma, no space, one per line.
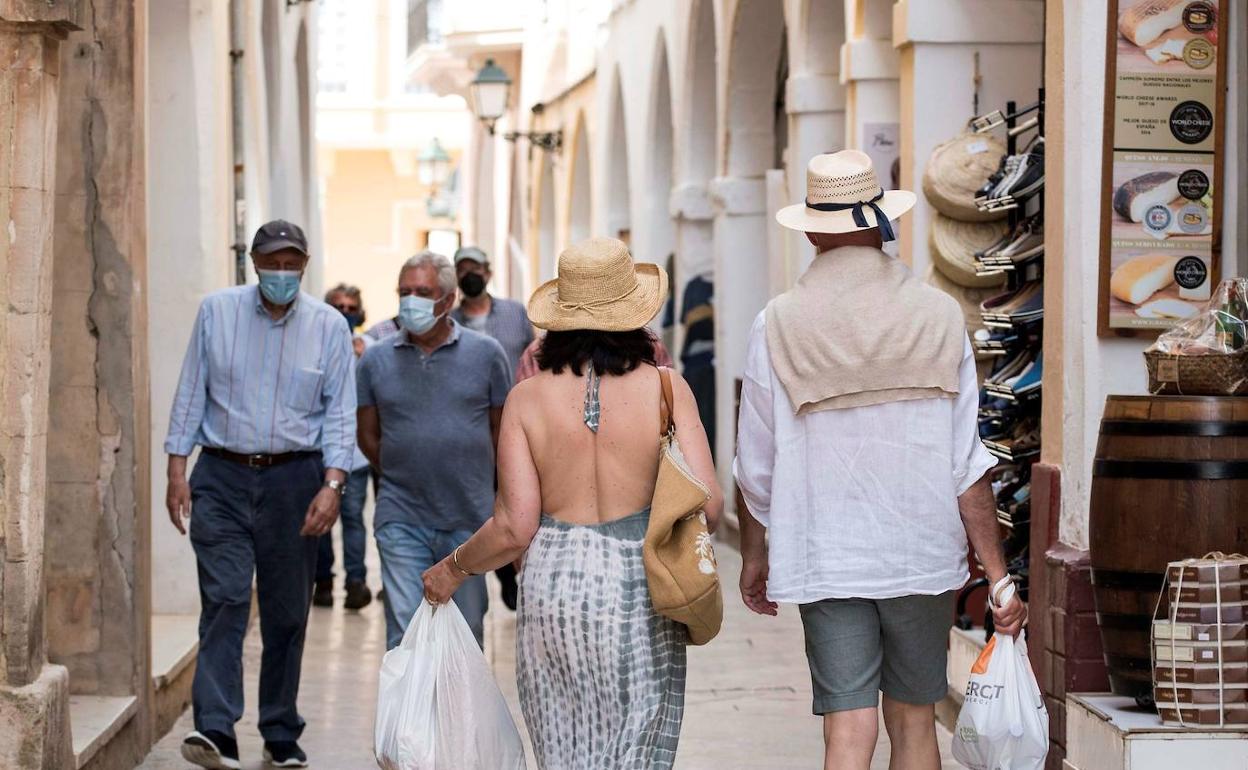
(677,552)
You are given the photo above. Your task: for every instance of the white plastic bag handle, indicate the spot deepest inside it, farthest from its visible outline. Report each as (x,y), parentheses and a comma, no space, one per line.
(1002,592)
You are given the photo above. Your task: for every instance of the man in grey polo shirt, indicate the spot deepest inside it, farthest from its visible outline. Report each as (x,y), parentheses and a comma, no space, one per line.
(430,401)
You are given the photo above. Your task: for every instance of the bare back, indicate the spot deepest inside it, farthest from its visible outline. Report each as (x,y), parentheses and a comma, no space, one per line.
(587,477)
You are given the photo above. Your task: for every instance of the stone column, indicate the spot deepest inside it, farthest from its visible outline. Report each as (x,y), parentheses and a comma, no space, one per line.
(690,207)
(34,696)
(816,107)
(869,71)
(742,288)
(98,594)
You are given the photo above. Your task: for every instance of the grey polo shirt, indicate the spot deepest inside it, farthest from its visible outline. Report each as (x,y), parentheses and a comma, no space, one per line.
(507,322)
(437,453)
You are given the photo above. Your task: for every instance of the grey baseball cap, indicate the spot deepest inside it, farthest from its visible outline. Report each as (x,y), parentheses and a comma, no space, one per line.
(277,235)
(471,252)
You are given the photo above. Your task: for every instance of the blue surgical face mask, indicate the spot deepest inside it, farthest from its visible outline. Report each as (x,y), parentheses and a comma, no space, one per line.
(416,314)
(279,286)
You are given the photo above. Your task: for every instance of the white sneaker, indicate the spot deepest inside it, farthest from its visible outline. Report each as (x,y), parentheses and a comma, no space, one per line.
(199,749)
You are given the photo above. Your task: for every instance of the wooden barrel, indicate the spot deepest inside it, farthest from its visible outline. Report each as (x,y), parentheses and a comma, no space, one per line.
(1170,482)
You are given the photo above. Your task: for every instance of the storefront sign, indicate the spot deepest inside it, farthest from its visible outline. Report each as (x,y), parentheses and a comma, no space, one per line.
(882,143)
(1162,206)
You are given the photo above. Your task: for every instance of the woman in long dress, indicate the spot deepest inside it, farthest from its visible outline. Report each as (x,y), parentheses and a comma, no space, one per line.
(601,674)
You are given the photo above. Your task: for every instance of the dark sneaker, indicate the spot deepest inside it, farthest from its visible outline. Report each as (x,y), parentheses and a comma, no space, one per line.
(211,749)
(358,595)
(506,575)
(284,754)
(323,596)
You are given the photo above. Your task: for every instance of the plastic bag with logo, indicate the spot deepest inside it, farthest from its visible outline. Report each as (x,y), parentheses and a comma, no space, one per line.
(438,706)
(1003,724)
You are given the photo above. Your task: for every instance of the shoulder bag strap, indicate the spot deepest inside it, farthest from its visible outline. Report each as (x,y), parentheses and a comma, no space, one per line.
(666,424)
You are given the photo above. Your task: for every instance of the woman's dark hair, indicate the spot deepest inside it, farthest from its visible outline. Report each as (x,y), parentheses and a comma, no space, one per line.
(613,353)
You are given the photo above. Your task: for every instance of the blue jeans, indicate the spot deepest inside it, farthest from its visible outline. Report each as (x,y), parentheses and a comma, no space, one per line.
(354,536)
(407,551)
(245,524)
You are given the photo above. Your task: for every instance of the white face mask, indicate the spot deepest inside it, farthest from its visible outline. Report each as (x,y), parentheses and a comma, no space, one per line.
(416,314)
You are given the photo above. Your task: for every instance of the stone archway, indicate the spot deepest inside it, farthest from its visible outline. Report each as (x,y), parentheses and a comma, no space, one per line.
(815,108)
(271,42)
(748,142)
(619,220)
(660,246)
(303,97)
(547,241)
(697,161)
(484,215)
(580,197)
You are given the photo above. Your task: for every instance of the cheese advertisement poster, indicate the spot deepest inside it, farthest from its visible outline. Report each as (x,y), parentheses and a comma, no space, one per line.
(1163,133)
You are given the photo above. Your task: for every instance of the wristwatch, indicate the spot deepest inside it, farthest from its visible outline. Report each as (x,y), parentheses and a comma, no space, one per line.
(338,486)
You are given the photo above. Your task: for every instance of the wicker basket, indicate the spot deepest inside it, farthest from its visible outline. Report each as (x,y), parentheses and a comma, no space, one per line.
(1218,374)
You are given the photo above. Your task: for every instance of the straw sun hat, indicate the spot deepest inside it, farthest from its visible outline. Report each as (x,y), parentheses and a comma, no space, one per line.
(844,195)
(954,244)
(599,288)
(956,170)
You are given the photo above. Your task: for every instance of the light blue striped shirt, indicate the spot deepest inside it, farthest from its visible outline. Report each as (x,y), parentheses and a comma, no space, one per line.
(253,385)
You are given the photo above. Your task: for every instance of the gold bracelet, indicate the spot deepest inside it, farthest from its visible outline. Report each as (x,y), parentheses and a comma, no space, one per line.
(455,561)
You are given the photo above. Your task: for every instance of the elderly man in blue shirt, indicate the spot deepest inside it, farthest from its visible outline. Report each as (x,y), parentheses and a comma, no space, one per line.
(267,390)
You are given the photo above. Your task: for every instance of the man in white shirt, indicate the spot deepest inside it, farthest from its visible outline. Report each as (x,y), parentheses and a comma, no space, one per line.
(862,471)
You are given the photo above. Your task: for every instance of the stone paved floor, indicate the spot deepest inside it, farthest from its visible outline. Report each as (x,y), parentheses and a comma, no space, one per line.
(748,698)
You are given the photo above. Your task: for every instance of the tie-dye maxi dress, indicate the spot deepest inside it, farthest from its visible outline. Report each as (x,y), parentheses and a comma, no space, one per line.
(601,674)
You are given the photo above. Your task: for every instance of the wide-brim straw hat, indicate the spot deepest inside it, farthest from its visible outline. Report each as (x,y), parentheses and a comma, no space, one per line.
(956,170)
(954,244)
(599,288)
(845,180)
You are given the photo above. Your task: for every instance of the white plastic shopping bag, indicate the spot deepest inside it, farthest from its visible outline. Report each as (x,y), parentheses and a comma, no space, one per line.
(1003,724)
(438,706)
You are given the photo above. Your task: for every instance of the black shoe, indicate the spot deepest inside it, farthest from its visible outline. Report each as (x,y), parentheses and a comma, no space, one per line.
(358,595)
(284,754)
(324,594)
(211,749)
(507,577)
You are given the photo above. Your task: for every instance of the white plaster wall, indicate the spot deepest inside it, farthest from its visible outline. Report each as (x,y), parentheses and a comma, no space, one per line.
(1096,367)
(190,206)
(188,236)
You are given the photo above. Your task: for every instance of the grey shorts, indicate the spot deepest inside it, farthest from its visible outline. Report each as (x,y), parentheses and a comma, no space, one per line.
(858,648)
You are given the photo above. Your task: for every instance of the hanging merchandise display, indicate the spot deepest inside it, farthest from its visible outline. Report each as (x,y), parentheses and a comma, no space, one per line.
(1004,249)
(1163,140)
(957,170)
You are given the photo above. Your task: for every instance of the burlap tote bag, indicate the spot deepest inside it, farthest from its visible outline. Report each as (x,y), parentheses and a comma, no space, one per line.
(678,555)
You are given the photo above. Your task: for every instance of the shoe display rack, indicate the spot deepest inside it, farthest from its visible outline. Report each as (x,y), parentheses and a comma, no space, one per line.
(1012,333)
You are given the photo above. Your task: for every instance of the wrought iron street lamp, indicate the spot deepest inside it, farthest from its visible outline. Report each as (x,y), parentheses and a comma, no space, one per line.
(490,91)
(433,164)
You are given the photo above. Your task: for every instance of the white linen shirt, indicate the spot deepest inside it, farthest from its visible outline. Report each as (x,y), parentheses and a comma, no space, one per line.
(859,502)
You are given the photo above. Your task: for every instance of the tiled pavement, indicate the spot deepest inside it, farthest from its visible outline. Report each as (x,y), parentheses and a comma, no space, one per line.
(748,702)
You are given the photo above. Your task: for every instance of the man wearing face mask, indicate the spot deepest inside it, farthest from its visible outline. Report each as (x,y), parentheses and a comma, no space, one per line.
(267,391)
(506,321)
(430,404)
(346,299)
(503,319)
